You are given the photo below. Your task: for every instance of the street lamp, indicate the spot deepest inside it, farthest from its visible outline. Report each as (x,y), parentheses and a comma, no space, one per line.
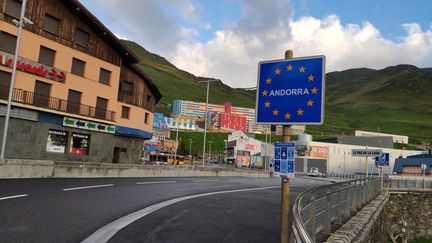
(210,143)
(177,145)
(20,23)
(190,146)
(205,118)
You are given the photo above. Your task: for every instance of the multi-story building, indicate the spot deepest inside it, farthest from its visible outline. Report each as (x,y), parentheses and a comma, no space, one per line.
(78,94)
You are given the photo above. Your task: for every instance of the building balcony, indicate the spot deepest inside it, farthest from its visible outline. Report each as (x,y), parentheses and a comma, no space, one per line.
(52,103)
(137,99)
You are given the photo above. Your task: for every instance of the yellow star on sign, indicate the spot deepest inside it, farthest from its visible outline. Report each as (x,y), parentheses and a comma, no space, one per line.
(314,90)
(275,112)
(300,112)
(311,78)
(268,81)
(287,116)
(289,67)
(267,104)
(310,103)
(277,71)
(264,93)
(302,69)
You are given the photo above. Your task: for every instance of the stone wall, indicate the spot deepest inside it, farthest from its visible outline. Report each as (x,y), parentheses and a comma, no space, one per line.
(409,214)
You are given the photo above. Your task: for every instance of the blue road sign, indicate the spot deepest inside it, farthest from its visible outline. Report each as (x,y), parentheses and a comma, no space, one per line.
(291,91)
(382,160)
(284,151)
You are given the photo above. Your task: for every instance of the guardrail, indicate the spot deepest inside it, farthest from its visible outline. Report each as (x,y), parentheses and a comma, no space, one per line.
(316,209)
(408,183)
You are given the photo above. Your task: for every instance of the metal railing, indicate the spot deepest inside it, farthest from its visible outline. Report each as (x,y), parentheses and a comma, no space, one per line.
(317,209)
(408,183)
(30,98)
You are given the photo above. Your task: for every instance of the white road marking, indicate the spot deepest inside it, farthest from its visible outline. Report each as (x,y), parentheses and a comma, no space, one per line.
(108,231)
(15,196)
(204,180)
(154,182)
(86,187)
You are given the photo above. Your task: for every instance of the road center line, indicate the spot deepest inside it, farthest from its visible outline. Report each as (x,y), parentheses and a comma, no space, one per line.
(86,187)
(15,196)
(108,231)
(155,182)
(204,180)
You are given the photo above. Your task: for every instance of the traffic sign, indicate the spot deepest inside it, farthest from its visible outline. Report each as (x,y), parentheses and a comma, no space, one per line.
(366,152)
(291,91)
(284,163)
(382,160)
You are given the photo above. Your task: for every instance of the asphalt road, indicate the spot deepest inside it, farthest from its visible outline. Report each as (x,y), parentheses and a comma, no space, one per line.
(70,210)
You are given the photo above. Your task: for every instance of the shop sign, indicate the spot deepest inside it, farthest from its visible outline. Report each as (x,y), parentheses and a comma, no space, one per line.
(56,141)
(88,125)
(32,67)
(80,144)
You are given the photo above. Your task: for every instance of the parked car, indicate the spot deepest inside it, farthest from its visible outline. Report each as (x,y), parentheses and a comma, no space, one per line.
(314,172)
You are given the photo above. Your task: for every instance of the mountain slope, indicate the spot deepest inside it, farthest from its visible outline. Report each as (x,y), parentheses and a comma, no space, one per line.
(178,84)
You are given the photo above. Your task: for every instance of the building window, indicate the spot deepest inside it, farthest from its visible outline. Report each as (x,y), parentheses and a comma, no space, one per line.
(146,118)
(80,144)
(149,98)
(13,8)
(81,37)
(51,24)
(125,112)
(78,67)
(46,56)
(56,141)
(5,78)
(104,76)
(127,88)
(7,42)
(42,94)
(101,108)
(74,102)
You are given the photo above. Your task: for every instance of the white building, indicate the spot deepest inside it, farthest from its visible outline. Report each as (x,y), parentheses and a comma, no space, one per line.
(396,138)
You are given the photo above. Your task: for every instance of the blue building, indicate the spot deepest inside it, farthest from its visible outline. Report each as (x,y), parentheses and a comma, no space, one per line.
(414,165)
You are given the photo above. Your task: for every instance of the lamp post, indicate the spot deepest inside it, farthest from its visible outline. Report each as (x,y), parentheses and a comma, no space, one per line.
(177,145)
(190,146)
(205,118)
(210,143)
(20,23)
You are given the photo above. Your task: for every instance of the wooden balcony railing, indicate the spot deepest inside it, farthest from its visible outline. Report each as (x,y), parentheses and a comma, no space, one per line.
(30,98)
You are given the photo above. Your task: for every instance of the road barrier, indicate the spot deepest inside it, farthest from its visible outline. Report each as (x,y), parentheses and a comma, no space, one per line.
(408,183)
(316,209)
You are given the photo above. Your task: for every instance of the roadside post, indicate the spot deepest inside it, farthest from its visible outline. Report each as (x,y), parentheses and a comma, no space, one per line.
(289,91)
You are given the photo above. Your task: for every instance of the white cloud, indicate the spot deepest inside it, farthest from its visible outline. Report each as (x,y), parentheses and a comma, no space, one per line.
(233,54)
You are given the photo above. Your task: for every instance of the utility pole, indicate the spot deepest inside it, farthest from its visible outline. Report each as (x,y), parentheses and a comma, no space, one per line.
(210,143)
(190,146)
(20,23)
(177,143)
(285,181)
(205,118)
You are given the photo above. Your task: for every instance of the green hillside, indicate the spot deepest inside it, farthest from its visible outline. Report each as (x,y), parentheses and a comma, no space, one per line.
(174,83)
(392,100)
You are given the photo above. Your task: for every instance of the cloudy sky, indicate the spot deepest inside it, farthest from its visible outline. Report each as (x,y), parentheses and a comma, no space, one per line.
(226,39)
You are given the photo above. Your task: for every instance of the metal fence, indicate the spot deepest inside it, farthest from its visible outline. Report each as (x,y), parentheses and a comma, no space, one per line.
(408,183)
(317,209)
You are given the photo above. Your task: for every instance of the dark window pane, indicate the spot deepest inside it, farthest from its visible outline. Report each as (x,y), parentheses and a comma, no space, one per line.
(148,98)
(101,107)
(81,37)
(41,94)
(13,8)
(51,24)
(127,88)
(5,79)
(125,112)
(78,67)
(46,56)
(146,117)
(104,76)
(74,100)
(7,42)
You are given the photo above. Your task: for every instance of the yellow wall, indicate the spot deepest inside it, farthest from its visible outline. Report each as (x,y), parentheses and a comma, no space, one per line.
(89,84)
